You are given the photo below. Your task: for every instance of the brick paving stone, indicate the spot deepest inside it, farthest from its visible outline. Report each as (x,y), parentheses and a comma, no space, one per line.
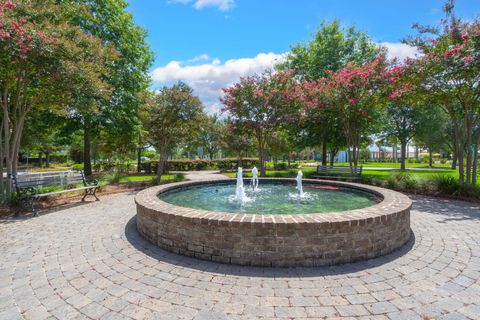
(89,262)
(381,307)
(352,310)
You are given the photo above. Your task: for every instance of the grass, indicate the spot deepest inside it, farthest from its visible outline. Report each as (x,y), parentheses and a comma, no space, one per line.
(123,179)
(396,165)
(378,174)
(145,177)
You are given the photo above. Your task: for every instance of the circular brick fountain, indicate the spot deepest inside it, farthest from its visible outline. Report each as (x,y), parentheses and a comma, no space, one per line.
(276,240)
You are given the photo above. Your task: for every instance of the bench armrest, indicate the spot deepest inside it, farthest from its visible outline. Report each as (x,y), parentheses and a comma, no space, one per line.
(26,192)
(91,182)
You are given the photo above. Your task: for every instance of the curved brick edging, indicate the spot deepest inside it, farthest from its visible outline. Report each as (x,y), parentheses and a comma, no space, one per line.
(276,240)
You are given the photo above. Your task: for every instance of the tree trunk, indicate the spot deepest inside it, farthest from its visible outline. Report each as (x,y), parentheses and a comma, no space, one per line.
(454,158)
(468,145)
(139,159)
(430,158)
(47,158)
(40,159)
(403,153)
(6,148)
(161,163)
(261,157)
(2,158)
(416,153)
(475,163)
(332,157)
(87,165)
(324,150)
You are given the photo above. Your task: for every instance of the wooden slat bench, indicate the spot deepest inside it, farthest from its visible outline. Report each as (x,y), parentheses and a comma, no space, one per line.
(28,186)
(337,172)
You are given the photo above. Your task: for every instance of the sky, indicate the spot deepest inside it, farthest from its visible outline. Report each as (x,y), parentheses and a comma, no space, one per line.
(210,44)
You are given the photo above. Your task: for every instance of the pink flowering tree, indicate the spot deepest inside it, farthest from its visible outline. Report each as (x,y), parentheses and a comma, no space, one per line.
(447,75)
(261,104)
(355,95)
(42,59)
(22,49)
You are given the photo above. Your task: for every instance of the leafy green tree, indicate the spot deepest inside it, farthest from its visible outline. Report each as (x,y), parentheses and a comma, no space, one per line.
(117,114)
(210,134)
(45,133)
(403,122)
(170,118)
(235,140)
(432,130)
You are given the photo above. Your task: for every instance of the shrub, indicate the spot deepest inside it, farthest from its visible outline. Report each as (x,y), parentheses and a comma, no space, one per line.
(446,184)
(280,166)
(392,182)
(77,166)
(190,165)
(402,180)
(112,177)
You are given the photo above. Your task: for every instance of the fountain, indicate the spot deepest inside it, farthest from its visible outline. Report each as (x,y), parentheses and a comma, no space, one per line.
(255,179)
(219,220)
(240,195)
(299,183)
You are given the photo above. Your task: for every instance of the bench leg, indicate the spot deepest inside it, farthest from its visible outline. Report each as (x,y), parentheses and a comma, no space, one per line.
(91,192)
(28,204)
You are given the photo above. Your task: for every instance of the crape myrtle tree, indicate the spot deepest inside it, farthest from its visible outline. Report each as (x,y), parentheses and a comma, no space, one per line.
(170,118)
(332,48)
(448,76)
(38,47)
(261,104)
(354,95)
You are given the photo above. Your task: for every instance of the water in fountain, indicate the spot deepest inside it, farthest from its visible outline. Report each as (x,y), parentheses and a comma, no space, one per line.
(299,183)
(240,196)
(255,179)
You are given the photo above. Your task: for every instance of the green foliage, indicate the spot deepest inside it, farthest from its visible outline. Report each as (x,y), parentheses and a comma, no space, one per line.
(446,184)
(112,177)
(176,178)
(172,117)
(77,166)
(332,48)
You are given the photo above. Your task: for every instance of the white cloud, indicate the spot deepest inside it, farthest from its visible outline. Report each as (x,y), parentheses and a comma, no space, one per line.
(399,50)
(222,5)
(202,57)
(207,79)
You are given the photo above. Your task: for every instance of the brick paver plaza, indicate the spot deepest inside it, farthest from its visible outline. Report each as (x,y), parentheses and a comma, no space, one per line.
(89,262)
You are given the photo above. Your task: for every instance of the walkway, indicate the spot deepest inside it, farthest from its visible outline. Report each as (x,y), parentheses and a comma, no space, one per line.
(204,175)
(88,262)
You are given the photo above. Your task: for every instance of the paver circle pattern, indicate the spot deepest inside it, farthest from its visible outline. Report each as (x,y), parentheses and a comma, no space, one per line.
(89,262)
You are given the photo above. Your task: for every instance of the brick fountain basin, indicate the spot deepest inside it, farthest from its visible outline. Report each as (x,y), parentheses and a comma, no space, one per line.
(283,240)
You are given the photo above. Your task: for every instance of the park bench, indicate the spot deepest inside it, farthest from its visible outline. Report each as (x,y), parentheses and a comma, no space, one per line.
(337,172)
(29,186)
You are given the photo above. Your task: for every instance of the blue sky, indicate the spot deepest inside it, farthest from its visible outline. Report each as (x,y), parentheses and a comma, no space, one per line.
(210,43)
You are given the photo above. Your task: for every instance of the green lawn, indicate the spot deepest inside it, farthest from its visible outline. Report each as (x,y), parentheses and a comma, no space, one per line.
(368,173)
(397,165)
(144,177)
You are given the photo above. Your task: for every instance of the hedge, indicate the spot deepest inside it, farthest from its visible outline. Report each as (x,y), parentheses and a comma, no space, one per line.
(190,165)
